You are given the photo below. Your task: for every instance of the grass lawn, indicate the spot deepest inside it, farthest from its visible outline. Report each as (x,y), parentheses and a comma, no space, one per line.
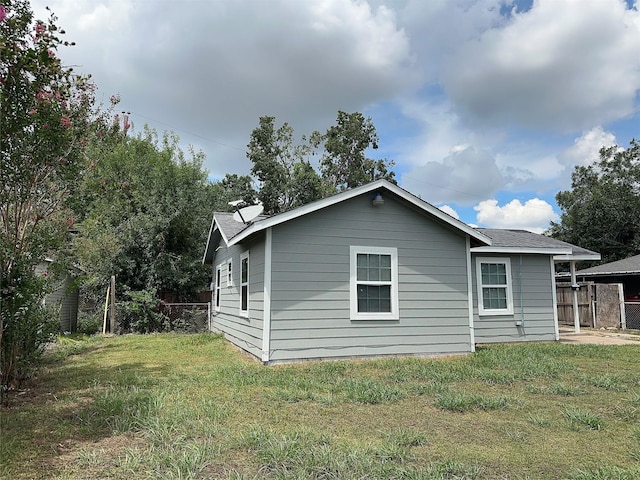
(190,406)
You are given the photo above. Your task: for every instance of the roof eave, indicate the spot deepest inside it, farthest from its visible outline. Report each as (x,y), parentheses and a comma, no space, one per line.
(523,250)
(621,273)
(580,257)
(208,254)
(354,192)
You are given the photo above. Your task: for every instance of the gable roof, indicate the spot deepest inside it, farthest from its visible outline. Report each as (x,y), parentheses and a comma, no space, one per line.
(626,266)
(523,241)
(232,234)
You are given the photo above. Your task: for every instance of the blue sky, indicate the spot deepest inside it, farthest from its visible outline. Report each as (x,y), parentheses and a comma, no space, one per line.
(486,106)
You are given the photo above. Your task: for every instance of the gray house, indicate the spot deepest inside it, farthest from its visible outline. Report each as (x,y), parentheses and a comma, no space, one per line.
(377,271)
(64,296)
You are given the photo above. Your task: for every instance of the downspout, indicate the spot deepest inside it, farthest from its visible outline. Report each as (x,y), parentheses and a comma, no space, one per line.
(472,335)
(521,323)
(266,319)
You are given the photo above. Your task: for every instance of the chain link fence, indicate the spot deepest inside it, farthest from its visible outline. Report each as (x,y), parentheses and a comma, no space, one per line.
(187,317)
(632,315)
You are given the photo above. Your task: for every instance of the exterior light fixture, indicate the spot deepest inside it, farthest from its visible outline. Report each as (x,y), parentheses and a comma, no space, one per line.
(378,200)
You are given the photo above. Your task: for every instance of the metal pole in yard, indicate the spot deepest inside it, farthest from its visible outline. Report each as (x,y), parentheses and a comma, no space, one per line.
(574,290)
(106,311)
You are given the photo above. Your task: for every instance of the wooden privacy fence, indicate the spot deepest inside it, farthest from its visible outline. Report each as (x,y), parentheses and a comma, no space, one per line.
(586,309)
(600,305)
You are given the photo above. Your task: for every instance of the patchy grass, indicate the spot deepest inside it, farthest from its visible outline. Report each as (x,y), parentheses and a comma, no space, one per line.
(191,406)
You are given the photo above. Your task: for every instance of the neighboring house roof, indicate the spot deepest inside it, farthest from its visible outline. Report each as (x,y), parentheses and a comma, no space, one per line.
(523,241)
(233,234)
(626,266)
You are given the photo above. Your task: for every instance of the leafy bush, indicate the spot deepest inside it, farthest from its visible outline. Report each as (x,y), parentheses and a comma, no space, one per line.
(28,325)
(141,313)
(89,324)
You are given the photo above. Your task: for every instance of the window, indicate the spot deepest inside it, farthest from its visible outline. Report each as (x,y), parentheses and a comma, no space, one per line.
(230,274)
(494,286)
(374,283)
(244,284)
(217,287)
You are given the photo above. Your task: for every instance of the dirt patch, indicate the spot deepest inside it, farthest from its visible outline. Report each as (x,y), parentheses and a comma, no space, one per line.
(597,337)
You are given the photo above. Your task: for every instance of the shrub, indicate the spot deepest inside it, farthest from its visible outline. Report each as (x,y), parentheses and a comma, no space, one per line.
(89,324)
(141,313)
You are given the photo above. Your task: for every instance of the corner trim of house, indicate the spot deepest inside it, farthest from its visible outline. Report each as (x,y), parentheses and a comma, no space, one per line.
(266,320)
(472,335)
(554,295)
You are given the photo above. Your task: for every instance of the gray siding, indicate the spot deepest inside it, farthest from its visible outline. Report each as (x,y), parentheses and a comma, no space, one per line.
(310,284)
(244,332)
(532,305)
(64,299)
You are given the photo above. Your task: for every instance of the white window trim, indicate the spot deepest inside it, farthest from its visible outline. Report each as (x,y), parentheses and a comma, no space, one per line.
(509,286)
(353,284)
(217,284)
(244,313)
(229,273)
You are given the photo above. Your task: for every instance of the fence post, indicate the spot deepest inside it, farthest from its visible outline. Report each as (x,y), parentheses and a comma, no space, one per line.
(112,305)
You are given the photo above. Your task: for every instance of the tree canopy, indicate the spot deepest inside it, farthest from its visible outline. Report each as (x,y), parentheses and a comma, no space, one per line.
(285,172)
(287,179)
(601,212)
(344,164)
(146,214)
(46,119)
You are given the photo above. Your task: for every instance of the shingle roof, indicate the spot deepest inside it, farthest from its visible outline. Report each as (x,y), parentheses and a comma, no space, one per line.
(378,185)
(624,266)
(512,238)
(229,226)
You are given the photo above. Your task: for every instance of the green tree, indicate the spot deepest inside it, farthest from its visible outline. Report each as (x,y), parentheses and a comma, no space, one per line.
(45,115)
(344,164)
(147,210)
(601,212)
(287,179)
(231,188)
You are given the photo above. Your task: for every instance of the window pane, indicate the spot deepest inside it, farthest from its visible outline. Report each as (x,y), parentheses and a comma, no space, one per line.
(363,274)
(245,270)
(374,298)
(494,298)
(373,267)
(374,274)
(385,274)
(494,273)
(245,298)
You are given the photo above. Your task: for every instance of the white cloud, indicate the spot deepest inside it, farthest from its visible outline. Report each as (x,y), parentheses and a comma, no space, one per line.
(463,177)
(449,211)
(586,148)
(534,215)
(213,68)
(560,65)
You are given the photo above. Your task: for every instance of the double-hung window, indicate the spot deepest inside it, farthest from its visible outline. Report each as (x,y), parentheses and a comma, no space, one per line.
(244,284)
(217,287)
(495,295)
(374,283)
(230,273)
